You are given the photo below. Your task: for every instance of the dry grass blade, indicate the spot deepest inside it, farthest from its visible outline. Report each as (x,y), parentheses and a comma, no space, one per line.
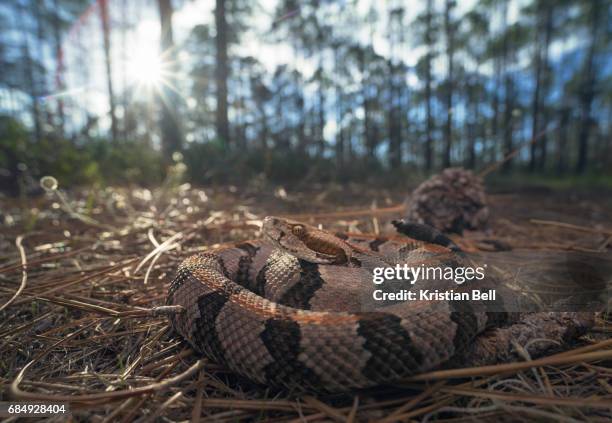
(24,272)
(414,401)
(160,248)
(116,395)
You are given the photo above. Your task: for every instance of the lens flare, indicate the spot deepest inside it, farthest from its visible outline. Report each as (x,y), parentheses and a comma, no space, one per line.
(146,68)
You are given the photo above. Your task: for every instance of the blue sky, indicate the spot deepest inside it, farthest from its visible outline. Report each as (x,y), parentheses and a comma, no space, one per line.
(86,85)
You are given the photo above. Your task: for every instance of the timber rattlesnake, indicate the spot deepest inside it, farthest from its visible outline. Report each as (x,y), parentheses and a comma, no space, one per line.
(289,312)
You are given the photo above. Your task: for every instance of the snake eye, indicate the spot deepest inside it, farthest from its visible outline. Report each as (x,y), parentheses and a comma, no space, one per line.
(297,230)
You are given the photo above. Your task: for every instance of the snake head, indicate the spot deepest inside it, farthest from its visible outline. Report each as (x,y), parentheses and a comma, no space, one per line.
(305,242)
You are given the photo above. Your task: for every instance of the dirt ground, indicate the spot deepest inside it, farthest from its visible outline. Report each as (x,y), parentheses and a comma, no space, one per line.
(83,269)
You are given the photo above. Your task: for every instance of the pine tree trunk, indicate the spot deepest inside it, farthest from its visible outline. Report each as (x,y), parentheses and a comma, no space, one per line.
(221,74)
(587,91)
(546,79)
(448,130)
(395,147)
(535,102)
(264,129)
(429,42)
(508,120)
(562,142)
(59,67)
(365,103)
(471,123)
(31,87)
(508,94)
(104,18)
(170,129)
(340,142)
(495,106)
(340,146)
(393,120)
(321,116)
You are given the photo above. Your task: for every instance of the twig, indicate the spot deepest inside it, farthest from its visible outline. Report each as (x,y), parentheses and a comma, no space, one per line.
(76,215)
(424,410)
(541,415)
(571,226)
(197,406)
(152,418)
(353,412)
(260,405)
(587,348)
(324,408)
(170,310)
(46,259)
(511,367)
(348,213)
(494,166)
(413,402)
(472,410)
(593,402)
(154,365)
(111,417)
(83,279)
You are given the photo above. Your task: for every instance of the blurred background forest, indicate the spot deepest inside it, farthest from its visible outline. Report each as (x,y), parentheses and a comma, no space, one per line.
(122,91)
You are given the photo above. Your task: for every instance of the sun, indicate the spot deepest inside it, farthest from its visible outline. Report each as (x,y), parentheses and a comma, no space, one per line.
(150,70)
(146,68)
(145,63)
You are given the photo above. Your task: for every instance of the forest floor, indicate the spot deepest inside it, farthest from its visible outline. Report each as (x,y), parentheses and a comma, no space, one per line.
(80,326)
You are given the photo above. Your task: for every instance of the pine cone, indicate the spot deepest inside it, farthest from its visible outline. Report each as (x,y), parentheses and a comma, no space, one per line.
(451,201)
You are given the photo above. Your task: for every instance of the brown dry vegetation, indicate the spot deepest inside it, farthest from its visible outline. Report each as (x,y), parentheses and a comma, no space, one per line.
(83,326)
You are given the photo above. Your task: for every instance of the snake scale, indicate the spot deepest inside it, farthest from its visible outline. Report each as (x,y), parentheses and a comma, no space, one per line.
(287,311)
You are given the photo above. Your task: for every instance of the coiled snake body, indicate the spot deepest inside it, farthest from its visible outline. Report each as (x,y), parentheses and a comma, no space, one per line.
(290,311)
